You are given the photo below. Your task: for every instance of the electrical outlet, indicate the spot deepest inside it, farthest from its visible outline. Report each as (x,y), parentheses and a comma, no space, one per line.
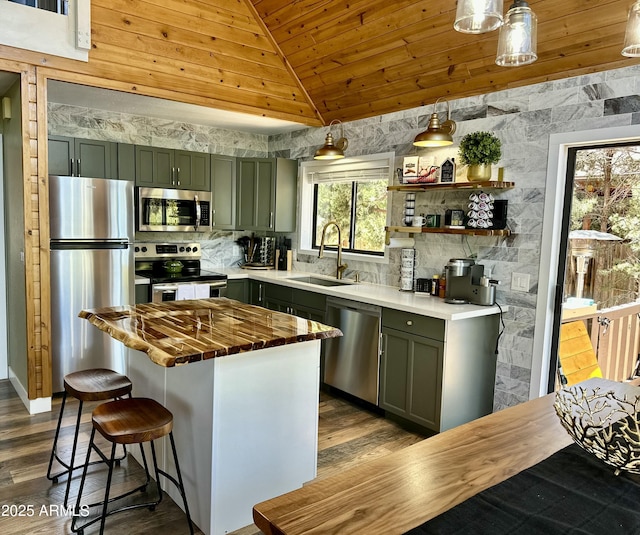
(520,282)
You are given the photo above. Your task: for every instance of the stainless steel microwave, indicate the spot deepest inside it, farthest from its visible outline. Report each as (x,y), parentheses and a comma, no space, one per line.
(173,210)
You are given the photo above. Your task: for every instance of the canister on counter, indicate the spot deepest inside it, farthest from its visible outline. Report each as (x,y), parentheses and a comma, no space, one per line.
(435,285)
(423,286)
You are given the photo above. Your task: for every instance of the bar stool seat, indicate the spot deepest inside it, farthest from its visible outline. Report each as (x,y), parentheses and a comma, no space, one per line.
(97,384)
(130,421)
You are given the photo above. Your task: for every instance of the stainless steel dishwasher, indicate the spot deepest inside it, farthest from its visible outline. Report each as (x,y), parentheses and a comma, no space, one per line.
(352,361)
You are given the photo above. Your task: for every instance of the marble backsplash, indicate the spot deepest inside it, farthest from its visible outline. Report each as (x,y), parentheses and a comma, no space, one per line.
(523,118)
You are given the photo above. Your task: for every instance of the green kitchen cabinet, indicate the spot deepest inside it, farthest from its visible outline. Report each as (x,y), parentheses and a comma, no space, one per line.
(266,194)
(436,373)
(238,289)
(70,156)
(308,305)
(223,192)
(158,167)
(126,161)
(155,167)
(143,292)
(411,367)
(192,170)
(411,377)
(277,297)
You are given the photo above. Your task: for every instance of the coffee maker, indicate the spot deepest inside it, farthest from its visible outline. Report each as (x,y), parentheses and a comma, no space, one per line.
(467,283)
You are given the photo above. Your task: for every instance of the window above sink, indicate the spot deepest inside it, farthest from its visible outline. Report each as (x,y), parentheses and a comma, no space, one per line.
(351,192)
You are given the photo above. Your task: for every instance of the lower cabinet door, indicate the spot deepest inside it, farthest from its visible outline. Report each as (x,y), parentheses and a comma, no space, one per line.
(411,377)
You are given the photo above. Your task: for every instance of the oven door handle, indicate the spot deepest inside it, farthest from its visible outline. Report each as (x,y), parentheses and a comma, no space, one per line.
(165,287)
(198,213)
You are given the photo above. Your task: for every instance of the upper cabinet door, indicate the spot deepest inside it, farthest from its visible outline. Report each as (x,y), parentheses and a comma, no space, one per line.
(61,156)
(247,194)
(82,157)
(223,190)
(192,170)
(96,159)
(266,192)
(155,167)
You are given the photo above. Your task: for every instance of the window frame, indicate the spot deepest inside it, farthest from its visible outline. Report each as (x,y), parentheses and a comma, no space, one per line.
(307,212)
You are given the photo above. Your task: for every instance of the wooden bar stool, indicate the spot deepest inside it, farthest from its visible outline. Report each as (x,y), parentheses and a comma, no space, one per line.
(130,421)
(86,385)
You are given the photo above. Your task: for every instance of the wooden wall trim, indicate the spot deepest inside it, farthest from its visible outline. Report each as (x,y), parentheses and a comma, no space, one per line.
(37,374)
(43,217)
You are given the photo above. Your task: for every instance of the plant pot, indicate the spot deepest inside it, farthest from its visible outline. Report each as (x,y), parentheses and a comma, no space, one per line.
(479,172)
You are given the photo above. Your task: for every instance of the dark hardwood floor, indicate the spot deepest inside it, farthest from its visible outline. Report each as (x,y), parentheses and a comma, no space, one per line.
(30,503)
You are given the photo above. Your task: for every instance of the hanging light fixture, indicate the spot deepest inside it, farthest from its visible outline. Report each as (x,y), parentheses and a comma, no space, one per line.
(478,16)
(436,134)
(632,33)
(331,150)
(518,36)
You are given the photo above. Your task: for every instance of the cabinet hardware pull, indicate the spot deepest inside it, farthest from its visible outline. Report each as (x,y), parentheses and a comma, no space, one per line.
(409,322)
(270,219)
(173,176)
(178,175)
(78,167)
(213,217)
(71,162)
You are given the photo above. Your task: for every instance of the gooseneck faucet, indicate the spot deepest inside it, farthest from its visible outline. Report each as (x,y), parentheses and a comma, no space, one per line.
(340,267)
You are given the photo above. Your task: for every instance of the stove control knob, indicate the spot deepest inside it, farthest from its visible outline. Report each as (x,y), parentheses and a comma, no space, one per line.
(195,249)
(182,249)
(136,249)
(188,249)
(144,249)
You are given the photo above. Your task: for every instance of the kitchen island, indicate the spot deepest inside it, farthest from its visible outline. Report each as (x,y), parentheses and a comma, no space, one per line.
(242,383)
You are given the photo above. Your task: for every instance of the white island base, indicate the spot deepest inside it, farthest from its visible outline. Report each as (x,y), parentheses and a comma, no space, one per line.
(245,426)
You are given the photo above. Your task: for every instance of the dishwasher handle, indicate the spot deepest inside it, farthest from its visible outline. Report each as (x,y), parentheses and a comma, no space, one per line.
(366,308)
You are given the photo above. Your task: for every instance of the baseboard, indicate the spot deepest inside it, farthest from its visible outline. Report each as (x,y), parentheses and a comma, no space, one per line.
(33,406)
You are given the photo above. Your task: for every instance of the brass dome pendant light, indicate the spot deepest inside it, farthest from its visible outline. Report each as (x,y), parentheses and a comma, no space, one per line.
(331,150)
(437,134)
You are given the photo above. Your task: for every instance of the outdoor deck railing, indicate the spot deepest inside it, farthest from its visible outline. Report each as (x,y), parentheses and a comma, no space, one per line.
(615,336)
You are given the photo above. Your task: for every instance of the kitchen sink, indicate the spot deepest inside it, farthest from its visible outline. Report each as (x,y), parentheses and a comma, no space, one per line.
(320,282)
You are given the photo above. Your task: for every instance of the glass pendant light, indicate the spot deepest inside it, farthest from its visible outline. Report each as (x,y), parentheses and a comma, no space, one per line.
(517,43)
(331,150)
(478,16)
(436,134)
(632,34)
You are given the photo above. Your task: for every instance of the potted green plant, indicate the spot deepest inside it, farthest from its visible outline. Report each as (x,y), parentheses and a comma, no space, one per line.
(479,150)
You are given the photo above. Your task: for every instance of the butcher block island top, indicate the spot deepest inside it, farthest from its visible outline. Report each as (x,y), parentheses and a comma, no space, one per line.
(180,332)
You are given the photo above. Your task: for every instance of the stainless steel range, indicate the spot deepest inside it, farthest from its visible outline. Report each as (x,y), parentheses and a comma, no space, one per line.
(174,272)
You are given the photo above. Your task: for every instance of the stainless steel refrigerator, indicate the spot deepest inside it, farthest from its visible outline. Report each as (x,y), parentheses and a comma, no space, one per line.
(91,233)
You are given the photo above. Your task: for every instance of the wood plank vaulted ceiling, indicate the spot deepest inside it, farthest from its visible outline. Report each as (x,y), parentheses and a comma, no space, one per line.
(313,61)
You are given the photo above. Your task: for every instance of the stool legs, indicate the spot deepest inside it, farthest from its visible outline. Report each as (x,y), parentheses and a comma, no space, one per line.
(69,468)
(107,500)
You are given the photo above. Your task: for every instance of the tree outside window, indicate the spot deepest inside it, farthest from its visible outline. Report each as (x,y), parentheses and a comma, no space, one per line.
(605,216)
(359,207)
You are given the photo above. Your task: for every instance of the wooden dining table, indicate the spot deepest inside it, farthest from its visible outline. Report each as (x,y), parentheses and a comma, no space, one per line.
(402,490)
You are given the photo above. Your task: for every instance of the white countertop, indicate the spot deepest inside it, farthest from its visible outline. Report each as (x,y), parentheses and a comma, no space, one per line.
(374,294)
(142,280)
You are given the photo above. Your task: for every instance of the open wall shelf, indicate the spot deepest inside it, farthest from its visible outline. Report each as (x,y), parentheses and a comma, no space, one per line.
(445,230)
(489,184)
